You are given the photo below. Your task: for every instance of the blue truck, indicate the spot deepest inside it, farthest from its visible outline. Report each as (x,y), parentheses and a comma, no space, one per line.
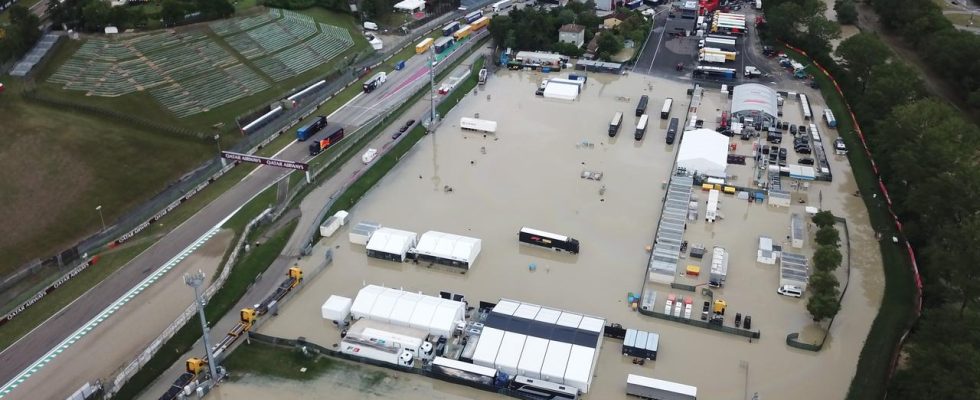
(308,130)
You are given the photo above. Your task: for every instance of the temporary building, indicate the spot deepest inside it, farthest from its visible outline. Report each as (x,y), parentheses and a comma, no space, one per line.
(752,100)
(391,244)
(561,90)
(448,249)
(540,343)
(797,230)
(431,314)
(662,265)
(802,172)
(704,151)
(410,5)
(361,233)
(767,252)
(793,270)
(336,308)
(779,198)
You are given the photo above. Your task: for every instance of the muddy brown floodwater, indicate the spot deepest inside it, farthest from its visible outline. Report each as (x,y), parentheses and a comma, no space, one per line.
(528,174)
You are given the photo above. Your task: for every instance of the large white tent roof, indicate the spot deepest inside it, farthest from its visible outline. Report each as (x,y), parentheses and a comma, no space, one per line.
(392,241)
(410,5)
(449,246)
(704,151)
(561,91)
(434,315)
(752,98)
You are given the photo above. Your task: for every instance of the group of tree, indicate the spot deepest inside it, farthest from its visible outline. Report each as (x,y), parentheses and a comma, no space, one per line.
(824,294)
(927,156)
(536,28)
(20,35)
(95,15)
(951,53)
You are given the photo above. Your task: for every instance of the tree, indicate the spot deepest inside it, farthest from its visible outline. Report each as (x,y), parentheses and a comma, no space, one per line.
(823,305)
(823,282)
(827,258)
(96,15)
(171,12)
(824,218)
(783,18)
(819,33)
(955,252)
(609,45)
(846,12)
(941,340)
(827,236)
(890,85)
(861,53)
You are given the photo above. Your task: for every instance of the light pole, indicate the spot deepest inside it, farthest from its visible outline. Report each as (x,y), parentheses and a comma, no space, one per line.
(195,280)
(99,209)
(217,141)
(432,88)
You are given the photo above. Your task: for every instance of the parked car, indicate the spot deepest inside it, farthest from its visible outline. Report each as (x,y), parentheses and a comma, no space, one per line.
(804,150)
(397,134)
(792,129)
(806,161)
(782,153)
(791,291)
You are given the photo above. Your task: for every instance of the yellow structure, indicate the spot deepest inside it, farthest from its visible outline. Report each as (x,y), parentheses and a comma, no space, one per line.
(479,24)
(195,365)
(297,274)
(462,32)
(694,270)
(720,306)
(423,46)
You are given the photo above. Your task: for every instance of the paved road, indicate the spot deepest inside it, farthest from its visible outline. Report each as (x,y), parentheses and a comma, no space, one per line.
(25,352)
(309,208)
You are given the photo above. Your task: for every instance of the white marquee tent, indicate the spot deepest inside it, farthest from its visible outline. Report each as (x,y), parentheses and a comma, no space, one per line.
(704,151)
(434,315)
(448,249)
(410,5)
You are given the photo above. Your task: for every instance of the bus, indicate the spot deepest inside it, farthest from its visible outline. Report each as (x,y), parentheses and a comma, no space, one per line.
(462,33)
(461,372)
(642,107)
(473,16)
(672,130)
(828,116)
(479,24)
(501,5)
(641,127)
(617,121)
(548,240)
(665,111)
(423,46)
(544,390)
(805,106)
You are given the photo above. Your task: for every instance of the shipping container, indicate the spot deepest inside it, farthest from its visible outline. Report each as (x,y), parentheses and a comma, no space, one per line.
(665,111)
(616,123)
(443,43)
(480,24)
(641,127)
(719,266)
(462,32)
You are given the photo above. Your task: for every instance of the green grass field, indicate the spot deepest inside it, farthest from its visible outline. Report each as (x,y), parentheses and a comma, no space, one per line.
(59,165)
(42,310)
(267,360)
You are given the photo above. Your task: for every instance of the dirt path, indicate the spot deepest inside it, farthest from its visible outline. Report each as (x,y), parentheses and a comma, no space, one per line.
(868,22)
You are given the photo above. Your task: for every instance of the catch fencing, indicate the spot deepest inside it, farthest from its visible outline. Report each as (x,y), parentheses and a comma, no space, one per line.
(127,372)
(178,192)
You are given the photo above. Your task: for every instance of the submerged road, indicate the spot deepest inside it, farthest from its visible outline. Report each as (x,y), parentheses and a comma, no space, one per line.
(24,355)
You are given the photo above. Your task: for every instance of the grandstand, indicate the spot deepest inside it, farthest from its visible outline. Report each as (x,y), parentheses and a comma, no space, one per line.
(329,43)
(189,72)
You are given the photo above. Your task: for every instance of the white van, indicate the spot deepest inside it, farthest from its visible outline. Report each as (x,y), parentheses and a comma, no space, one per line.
(791,291)
(370,26)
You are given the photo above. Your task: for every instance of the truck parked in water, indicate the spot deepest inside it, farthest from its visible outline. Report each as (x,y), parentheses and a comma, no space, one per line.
(375,81)
(310,129)
(650,388)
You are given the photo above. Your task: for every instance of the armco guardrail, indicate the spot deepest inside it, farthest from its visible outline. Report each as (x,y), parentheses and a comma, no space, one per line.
(134,366)
(156,208)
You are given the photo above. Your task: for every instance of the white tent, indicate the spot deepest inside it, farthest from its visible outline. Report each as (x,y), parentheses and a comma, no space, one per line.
(336,308)
(754,100)
(390,244)
(561,91)
(410,5)
(434,315)
(448,249)
(704,151)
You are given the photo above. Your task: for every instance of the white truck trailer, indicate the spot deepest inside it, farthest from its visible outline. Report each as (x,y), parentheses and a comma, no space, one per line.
(651,388)
(719,267)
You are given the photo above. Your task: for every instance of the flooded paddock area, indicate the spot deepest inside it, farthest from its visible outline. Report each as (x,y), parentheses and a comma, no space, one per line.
(530,173)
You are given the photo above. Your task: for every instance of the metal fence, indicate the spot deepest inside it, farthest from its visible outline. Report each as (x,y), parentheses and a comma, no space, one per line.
(128,371)
(191,183)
